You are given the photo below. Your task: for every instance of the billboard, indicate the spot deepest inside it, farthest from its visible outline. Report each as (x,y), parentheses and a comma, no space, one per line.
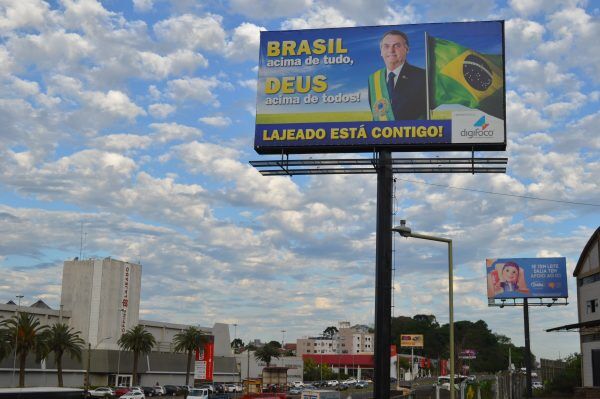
(526,278)
(467,354)
(204,364)
(400,87)
(411,340)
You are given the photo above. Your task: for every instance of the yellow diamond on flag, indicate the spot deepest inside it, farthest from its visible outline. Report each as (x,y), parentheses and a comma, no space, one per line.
(475,73)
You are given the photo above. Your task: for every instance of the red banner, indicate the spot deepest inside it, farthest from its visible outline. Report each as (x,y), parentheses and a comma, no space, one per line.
(443,367)
(393,351)
(204,366)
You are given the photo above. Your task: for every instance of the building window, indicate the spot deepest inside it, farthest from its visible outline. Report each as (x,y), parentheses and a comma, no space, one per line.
(592,306)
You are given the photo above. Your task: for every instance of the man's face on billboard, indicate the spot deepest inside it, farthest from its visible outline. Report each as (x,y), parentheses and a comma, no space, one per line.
(393,51)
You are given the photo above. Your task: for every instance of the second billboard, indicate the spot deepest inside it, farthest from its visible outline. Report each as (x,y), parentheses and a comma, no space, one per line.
(402,87)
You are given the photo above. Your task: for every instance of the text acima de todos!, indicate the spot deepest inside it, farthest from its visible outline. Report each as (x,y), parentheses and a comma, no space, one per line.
(299,84)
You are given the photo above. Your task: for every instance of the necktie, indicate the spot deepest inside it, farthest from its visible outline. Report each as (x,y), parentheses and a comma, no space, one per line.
(390,83)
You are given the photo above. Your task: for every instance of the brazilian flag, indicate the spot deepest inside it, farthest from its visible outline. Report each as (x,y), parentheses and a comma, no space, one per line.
(459,75)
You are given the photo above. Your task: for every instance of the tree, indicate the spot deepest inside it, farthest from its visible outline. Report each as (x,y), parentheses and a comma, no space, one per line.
(29,334)
(275,344)
(61,339)
(330,331)
(137,340)
(189,340)
(267,352)
(237,344)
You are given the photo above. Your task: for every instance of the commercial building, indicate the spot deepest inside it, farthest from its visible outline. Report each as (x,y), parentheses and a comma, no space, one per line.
(101,299)
(348,340)
(587,273)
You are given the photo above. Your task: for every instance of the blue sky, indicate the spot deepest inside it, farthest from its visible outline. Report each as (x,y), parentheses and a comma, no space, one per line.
(136,118)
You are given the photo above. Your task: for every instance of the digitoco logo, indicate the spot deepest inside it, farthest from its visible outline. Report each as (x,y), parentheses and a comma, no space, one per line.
(479,129)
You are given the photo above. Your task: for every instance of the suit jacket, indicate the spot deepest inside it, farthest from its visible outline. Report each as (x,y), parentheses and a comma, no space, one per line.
(409,97)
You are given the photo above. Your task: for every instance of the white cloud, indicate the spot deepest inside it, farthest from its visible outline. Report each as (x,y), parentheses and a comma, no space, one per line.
(114,103)
(165,132)
(161,110)
(529,7)
(196,89)
(522,36)
(218,121)
(154,65)
(143,5)
(22,14)
(319,17)
(121,142)
(244,42)
(263,9)
(191,31)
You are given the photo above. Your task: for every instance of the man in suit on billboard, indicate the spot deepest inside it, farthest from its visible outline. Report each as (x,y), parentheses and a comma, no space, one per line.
(397,92)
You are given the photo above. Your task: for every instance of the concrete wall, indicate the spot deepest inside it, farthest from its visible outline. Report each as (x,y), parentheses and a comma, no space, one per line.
(45,316)
(93,290)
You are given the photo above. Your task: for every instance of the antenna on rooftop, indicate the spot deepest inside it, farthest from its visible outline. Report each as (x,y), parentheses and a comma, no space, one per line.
(81,242)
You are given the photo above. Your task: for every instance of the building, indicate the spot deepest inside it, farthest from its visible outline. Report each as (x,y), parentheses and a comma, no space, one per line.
(587,273)
(348,340)
(101,299)
(250,367)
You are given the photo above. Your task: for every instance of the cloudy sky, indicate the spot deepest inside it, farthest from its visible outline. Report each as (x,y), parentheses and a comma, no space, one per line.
(135,120)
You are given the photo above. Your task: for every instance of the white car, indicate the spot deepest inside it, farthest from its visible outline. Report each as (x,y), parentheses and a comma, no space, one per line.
(332,383)
(537,385)
(101,392)
(198,393)
(134,394)
(297,384)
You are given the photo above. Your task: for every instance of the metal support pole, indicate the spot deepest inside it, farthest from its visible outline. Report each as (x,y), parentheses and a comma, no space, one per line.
(527,349)
(383,276)
(451,312)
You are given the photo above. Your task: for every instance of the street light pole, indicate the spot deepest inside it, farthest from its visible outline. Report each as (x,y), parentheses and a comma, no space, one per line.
(16,338)
(405,231)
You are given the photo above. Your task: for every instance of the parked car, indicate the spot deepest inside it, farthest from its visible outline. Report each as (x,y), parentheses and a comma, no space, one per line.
(342,386)
(101,392)
(133,395)
(171,390)
(350,382)
(537,385)
(210,387)
(297,384)
(295,391)
(361,384)
(121,390)
(160,390)
(332,383)
(150,391)
(198,393)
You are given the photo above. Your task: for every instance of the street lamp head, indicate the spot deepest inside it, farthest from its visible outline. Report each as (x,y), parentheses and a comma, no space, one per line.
(402,229)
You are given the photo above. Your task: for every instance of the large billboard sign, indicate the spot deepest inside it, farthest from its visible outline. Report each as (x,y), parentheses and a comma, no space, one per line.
(411,340)
(401,87)
(526,278)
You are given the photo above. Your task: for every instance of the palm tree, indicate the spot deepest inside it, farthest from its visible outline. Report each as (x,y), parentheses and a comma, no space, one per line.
(29,336)
(61,339)
(189,340)
(267,352)
(137,340)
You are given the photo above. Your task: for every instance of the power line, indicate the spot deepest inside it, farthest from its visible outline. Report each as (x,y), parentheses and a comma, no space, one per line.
(496,193)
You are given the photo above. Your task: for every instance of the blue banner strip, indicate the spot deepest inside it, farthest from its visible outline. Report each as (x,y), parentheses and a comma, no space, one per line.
(353,133)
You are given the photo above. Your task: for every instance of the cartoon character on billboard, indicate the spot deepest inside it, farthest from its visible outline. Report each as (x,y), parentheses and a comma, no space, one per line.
(507,278)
